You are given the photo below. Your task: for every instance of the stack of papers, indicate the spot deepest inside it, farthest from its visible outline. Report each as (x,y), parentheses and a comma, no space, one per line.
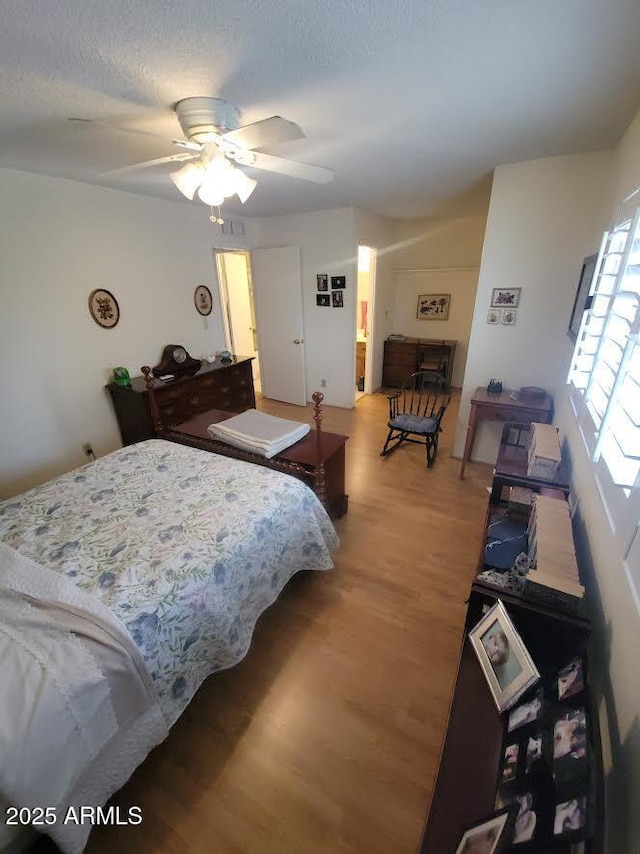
(258,432)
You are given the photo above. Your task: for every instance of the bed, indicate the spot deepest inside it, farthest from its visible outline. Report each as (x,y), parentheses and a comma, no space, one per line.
(123,585)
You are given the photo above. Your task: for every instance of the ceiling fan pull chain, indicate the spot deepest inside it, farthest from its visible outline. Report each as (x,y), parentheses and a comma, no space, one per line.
(217,219)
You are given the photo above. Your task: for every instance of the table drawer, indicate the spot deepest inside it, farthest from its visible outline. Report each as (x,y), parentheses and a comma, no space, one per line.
(400,354)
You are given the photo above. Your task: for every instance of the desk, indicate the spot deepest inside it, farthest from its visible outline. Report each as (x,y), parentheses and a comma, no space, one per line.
(404,357)
(487,406)
(319,463)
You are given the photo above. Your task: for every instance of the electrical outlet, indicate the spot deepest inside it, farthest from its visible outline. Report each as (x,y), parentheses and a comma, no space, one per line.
(323,383)
(88,451)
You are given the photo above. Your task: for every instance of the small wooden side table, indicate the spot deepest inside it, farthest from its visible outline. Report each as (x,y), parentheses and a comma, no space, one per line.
(504,406)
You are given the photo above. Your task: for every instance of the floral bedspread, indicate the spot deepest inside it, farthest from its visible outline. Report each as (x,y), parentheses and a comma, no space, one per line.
(185,547)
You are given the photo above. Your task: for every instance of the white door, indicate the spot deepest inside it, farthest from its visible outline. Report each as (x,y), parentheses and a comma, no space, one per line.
(277,292)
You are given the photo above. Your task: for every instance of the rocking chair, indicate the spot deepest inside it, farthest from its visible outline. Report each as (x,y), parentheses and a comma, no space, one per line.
(416,412)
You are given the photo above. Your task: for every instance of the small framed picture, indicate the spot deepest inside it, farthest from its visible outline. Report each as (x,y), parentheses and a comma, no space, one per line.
(323,281)
(493,316)
(570,680)
(505,297)
(504,659)
(104,308)
(203,300)
(337,299)
(534,752)
(509,317)
(526,818)
(323,300)
(489,836)
(570,736)
(525,713)
(570,816)
(338,282)
(510,762)
(433,306)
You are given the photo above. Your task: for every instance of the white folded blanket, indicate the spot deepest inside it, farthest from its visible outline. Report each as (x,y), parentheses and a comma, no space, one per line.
(258,432)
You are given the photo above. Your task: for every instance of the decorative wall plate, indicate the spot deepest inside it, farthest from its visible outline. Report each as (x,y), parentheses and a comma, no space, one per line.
(203,300)
(104,308)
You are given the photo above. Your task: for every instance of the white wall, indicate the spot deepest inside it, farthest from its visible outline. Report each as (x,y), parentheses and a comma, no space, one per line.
(544,217)
(436,256)
(327,245)
(60,239)
(461,287)
(617,623)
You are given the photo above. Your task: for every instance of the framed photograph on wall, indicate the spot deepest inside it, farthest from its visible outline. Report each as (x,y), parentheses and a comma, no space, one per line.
(509,316)
(104,308)
(433,306)
(504,659)
(337,299)
(203,300)
(493,316)
(582,299)
(323,281)
(505,297)
(323,300)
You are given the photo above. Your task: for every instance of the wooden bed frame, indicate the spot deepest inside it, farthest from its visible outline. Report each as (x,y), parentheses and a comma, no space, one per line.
(318,459)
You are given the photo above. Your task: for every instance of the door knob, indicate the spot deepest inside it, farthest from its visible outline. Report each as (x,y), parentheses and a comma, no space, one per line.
(298,341)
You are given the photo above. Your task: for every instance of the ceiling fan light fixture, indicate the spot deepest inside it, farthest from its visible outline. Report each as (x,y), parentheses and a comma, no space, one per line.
(211,194)
(188,179)
(244,185)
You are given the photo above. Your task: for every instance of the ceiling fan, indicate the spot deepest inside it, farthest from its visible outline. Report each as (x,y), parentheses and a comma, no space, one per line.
(215,142)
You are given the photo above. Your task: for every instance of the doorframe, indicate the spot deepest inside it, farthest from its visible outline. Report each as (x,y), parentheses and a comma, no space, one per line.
(224,298)
(371,311)
(371,317)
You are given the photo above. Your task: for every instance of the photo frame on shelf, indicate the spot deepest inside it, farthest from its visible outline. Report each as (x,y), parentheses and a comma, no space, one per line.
(491,835)
(527,712)
(570,816)
(433,306)
(582,300)
(570,679)
(505,297)
(504,659)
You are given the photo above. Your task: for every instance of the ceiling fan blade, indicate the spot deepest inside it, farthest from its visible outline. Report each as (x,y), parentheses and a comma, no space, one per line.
(183,143)
(146,164)
(293,168)
(264,133)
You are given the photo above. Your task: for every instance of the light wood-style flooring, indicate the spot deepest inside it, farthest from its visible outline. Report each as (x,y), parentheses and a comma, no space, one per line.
(326,738)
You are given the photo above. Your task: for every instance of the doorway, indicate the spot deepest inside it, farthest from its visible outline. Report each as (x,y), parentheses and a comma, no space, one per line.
(238,307)
(365,300)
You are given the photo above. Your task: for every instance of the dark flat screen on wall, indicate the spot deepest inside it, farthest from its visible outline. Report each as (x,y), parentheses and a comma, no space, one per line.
(582,300)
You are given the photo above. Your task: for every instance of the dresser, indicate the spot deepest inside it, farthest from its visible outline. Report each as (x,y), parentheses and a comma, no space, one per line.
(218,386)
(404,357)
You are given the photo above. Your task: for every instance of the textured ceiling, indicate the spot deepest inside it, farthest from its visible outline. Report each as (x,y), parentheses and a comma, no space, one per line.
(411,104)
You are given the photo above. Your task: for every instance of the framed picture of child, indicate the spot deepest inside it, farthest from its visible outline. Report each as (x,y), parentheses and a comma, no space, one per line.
(504,659)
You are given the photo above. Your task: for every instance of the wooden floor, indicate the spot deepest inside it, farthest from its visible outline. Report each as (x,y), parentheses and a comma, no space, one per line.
(326,737)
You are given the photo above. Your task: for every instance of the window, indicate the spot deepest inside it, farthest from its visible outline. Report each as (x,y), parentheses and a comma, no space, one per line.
(605,369)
